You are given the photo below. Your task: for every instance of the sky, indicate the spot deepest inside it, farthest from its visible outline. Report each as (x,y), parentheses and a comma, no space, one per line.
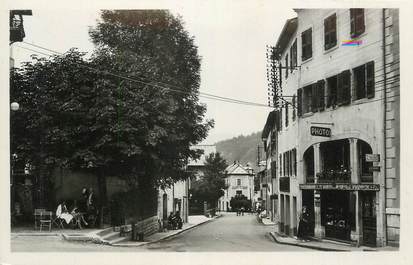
(231,37)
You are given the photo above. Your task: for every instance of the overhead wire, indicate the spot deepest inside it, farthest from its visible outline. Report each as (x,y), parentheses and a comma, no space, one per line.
(134,79)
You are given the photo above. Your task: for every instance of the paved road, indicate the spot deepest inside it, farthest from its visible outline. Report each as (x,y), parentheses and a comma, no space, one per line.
(227,233)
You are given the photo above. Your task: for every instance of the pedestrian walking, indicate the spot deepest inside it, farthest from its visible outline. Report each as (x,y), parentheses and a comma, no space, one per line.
(303,225)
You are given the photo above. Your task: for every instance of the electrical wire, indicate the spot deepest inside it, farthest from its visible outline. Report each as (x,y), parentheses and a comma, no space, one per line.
(134,79)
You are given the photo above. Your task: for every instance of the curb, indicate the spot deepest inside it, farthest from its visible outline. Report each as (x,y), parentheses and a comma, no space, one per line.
(166,237)
(306,246)
(35,234)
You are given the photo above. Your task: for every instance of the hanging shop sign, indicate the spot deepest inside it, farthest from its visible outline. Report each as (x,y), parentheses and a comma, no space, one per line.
(320,131)
(332,186)
(372,158)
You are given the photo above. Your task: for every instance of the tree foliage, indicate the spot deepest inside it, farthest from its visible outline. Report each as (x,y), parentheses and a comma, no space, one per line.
(76,114)
(239,201)
(210,187)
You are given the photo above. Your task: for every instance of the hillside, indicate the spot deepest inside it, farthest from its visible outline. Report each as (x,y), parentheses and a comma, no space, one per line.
(241,148)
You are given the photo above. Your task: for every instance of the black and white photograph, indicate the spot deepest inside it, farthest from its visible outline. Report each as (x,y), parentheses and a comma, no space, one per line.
(218,126)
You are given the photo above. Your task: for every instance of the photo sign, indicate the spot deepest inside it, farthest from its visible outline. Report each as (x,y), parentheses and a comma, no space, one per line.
(320,131)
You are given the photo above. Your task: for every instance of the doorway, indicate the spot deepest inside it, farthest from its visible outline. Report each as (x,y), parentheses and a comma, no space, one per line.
(308,202)
(369,218)
(335,214)
(165,206)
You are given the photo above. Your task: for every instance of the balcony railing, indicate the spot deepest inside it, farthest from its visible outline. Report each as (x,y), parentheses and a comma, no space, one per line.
(334,176)
(285,184)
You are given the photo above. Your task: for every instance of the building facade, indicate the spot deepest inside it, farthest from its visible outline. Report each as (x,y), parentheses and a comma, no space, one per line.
(239,181)
(337,124)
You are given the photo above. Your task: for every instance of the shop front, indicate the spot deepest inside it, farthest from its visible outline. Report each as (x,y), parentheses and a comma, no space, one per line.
(340,192)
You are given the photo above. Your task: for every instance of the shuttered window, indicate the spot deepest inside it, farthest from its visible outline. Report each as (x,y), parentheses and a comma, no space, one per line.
(330,32)
(286,66)
(357,22)
(286,115)
(306,44)
(314,95)
(345,87)
(370,79)
(331,91)
(280,74)
(294,107)
(363,77)
(281,165)
(320,94)
(299,102)
(295,161)
(293,56)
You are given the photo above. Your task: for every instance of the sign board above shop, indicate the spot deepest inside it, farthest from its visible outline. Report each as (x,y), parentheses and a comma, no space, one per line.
(330,186)
(320,131)
(372,158)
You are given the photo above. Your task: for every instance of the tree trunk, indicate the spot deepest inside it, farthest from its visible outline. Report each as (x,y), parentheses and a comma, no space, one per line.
(102,194)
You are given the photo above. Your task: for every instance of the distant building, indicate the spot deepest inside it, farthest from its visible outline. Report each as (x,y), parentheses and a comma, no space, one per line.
(240,181)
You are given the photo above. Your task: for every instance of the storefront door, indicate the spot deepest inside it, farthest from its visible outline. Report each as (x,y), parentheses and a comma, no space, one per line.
(369,218)
(335,214)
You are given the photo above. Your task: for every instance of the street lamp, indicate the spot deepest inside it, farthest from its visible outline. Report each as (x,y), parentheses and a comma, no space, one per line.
(14,106)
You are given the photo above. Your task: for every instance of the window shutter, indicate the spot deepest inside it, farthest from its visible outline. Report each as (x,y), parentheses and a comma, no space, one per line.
(291,59)
(280,74)
(321,95)
(339,89)
(294,107)
(286,115)
(352,22)
(310,43)
(359,21)
(286,66)
(281,117)
(346,87)
(333,31)
(295,161)
(299,101)
(314,96)
(370,79)
(326,35)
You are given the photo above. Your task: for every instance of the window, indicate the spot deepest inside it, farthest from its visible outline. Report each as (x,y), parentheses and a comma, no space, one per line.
(286,115)
(293,56)
(238,182)
(294,106)
(295,161)
(357,22)
(306,44)
(239,192)
(364,81)
(332,91)
(330,32)
(286,66)
(280,73)
(307,99)
(281,165)
(299,102)
(343,88)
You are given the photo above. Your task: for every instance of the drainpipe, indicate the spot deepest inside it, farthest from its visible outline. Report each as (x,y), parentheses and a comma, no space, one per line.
(384,125)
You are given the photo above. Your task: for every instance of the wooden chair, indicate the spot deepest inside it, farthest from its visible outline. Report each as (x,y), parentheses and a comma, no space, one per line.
(46,220)
(36,214)
(58,222)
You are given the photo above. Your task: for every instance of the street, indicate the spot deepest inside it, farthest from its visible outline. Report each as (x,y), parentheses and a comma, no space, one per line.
(227,233)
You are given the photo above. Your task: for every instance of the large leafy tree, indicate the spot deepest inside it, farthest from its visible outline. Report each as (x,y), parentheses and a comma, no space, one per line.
(210,187)
(156,53)
(131,110)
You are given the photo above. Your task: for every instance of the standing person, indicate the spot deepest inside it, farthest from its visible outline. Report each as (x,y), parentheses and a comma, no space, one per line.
(303,225)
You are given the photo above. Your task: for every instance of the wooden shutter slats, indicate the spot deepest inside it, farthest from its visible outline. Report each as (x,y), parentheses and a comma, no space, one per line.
(299,102)
(370,79)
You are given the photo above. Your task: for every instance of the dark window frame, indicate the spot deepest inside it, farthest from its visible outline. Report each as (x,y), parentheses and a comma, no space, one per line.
(293,56)
(357,22)
(363,81)
(307,44)
(330,32)
(286,66)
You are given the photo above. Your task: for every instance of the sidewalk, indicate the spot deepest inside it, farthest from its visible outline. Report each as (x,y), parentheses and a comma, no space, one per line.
(324,245)
(30,231)
(193,221)
(113,238)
